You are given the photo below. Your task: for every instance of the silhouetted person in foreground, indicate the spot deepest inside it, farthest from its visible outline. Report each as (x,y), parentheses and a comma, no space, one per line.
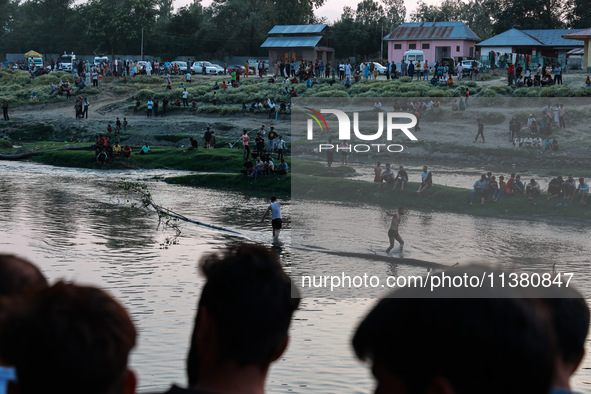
(19,276)
(450,345)
(242,321)
(570,321)
(71,339)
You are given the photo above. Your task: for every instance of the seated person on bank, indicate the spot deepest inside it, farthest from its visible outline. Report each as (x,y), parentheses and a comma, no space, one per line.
(102,157)
(588,82)
(388,176)
(145,149)
(248,167)
(492,341)
(282,168)
(480,189)
(242,321)
(401,178)
(532,189)
(426,180)
(116,149)
(555,187)
(517,186)
(194,145)
(582,190)
(126,151)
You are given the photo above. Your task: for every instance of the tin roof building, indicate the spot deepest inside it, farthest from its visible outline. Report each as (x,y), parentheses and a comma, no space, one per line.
(287,43)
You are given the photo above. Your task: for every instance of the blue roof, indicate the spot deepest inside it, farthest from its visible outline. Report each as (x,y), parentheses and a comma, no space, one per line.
(432,31)
(553,37)
(291,42)
(534,38)
(297,29)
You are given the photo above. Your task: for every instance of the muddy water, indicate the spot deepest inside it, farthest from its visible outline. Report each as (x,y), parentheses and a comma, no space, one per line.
(78,225)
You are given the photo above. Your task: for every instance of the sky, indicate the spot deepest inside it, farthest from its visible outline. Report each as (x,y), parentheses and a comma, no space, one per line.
(331,10)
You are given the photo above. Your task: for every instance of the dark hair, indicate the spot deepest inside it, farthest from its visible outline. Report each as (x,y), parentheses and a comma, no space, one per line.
(71,338)
(273,198)
(251,299)
(19,276)
(570,321)
(505,342)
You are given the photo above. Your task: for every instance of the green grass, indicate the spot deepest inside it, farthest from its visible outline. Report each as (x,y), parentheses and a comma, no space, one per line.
(214,160)
(435,198)
(267,184)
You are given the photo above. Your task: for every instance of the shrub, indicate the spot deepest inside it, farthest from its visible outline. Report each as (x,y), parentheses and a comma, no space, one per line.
(405,79)
(4,144)
(144,95)
(147,79)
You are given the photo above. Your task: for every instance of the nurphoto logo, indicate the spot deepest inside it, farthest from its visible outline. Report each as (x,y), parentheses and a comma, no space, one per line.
(393,127)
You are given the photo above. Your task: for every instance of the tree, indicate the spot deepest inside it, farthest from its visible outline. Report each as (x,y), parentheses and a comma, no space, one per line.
(348,35)
(115,26)
(395,13)
(577,14)
(526,14)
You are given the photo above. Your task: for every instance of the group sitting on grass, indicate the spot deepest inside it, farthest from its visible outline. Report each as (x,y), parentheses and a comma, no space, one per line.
(264,165)
(106,147)
(488,187)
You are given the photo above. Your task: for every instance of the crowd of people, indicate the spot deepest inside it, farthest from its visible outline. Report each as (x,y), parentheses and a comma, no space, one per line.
(387,178)
(487,187)
(260,161)
(79,337)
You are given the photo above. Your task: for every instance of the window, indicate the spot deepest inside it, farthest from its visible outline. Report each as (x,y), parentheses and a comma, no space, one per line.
(457,48)
(412,46)
(397,46)
(425,46)
(471,51)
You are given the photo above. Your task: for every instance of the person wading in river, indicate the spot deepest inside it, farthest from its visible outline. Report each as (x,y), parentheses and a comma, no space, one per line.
(276,219)
(393,231)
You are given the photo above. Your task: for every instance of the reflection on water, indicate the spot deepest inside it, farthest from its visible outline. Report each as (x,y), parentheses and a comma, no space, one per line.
(77,225)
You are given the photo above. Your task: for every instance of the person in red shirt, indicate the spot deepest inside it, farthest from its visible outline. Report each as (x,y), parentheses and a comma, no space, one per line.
(511,73)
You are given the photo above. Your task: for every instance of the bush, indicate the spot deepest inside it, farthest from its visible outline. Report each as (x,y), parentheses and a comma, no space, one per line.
(144,95)
(147,79)
(555,91)
(5,144)
(405,79)
(492,117)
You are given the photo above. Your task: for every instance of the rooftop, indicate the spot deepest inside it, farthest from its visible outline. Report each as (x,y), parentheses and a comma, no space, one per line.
(291,42)
(297,29)
(543,37)
(432,31)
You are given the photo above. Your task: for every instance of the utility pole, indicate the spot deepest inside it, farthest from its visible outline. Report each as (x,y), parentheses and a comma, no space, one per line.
(382,45)
(142,50)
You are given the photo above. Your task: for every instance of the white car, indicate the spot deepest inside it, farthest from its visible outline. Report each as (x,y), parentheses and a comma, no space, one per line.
(210,69)
(381,69)
(182,67)
(467,65)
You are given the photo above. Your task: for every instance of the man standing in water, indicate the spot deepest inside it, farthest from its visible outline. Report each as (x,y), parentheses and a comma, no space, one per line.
(276,220)
(393,231)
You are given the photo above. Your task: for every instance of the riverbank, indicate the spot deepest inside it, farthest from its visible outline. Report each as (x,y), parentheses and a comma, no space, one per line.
(436,198)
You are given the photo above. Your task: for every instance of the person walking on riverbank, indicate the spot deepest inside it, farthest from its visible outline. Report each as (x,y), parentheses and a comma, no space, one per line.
(5,110)
(276,218)
(480,131)
(393,235)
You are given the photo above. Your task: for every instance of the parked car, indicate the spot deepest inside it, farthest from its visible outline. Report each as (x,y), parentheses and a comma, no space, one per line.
(467,65)
(450,63)
(66,60)
(239,69)
(381,69)
(182,67)
(100,59)
(210,69)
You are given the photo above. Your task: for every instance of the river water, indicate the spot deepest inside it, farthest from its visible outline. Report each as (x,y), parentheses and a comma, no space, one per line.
(78,225)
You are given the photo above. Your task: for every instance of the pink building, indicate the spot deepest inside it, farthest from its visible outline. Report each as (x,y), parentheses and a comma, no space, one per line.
(437,40)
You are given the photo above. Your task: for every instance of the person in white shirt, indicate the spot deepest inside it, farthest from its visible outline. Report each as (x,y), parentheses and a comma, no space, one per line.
(276,218)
